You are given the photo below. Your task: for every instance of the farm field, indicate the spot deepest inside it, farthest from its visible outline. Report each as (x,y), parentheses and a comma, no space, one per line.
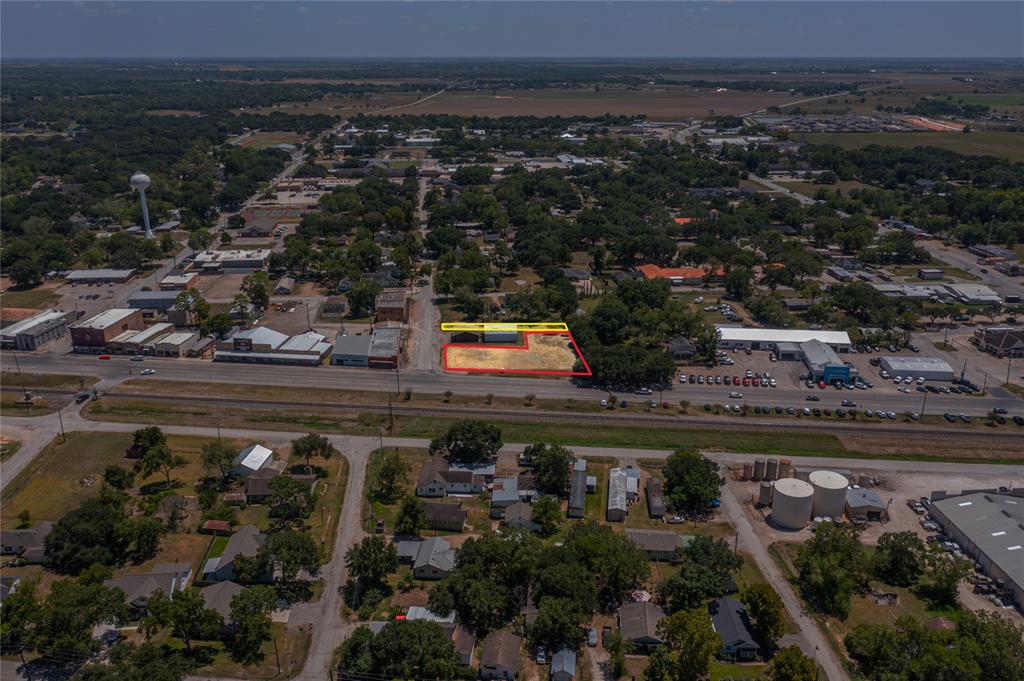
(993,143)
(265,140)
(662,104)
(332,105)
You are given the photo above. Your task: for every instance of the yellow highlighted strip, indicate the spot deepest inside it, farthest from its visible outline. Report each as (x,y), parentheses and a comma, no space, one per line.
(504,326)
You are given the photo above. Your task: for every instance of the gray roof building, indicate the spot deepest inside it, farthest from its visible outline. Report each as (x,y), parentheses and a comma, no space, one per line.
(729,618)
(563,665)
(638,623)
(218,597)
(989,526)
(165,577)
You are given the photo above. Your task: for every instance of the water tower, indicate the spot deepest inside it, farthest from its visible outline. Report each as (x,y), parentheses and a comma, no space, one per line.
(140,181)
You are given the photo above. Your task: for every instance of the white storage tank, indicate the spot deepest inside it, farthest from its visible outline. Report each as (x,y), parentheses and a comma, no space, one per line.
(829,493)
(791,503)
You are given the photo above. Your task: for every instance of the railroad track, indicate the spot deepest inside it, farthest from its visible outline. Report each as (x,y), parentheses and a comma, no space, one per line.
(802,424)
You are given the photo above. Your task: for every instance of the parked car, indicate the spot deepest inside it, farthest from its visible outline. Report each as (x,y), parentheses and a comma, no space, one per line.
(592,637)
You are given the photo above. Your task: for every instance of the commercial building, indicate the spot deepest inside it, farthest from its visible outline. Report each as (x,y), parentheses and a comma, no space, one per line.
(93,334)
(865,504)
(928,368)
(770,339)
(99,276)
(989,527)
(351,351)
(385,347)
(930,274)
(1001,341)
(179,282)
(231,262)
(822,362)
(263,345)
(392,306)
(974,294)
(157,301)
(682,276)
(37,330)
(140,342)
(175,344)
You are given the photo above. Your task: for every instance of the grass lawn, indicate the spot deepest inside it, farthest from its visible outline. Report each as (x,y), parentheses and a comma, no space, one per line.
(1014,388)
(36,298)
(725,670)
(12,407)
(9,449)
(292,645)
(56,381)
(64,475)
(374,509)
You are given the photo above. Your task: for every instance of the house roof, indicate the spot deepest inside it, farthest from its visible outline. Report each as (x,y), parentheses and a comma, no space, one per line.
(246,541)
(505,489)
(30,537)
(617,482)
(864,498)
(519,511)
(501,649)
(729,618)
(444,513)
(436,469)
(564,661)
(656,272)
(640,621)
(435,552)
(259,485)
(218,596)
(165,577)
(655,540)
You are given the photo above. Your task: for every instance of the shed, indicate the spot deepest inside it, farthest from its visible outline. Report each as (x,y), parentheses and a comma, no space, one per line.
(618,504)
(655,500)
(251,459)
(563,665)
(865,503)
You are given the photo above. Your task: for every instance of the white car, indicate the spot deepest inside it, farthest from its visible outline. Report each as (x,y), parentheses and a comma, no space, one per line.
(908,380)
(735,395)
(148,372)
(682,378)
(920,380)
(903,389)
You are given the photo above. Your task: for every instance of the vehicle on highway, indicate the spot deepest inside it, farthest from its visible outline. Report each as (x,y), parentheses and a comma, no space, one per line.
(81,397)
(868,413)
(891,415)
(137,358)
(812,398)
(949,417)
(104,356)
(998,410)
(965,418)
(735,395)
(148,372)
(642,391)
(849,403)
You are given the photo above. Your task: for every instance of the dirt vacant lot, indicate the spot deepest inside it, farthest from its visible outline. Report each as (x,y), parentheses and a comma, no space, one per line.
(540,352)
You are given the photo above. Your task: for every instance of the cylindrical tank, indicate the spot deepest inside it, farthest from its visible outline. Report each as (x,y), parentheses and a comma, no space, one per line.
(791,503)
(785,468)
(829,493)
(771,471)
(764,494)
(758,470)
(748,471)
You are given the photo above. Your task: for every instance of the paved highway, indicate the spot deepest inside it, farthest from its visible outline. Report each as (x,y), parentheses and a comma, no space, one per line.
(420,380)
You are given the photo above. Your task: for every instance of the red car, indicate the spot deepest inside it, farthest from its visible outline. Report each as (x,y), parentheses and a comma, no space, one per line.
(755,381)
(104,356)
(735,380)
(821,384)
(746,382)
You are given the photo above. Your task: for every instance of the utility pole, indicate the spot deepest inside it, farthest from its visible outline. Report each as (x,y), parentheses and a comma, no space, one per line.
(924,402)
(277,655)
(398,380)
(60,419)
(1009,360)
(218,422)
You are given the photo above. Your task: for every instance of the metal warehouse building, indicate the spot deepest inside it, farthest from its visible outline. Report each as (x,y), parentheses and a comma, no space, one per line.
(928,368)
(989,527)
(770,339)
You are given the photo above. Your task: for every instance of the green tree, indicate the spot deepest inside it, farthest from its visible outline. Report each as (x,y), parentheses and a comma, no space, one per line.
(184,613)
(250,622)
(946,572)
(191,303)
(256,287)
(92,533)
(219,456)
(559,624)
(790,664)
(200,240)
(160,459)
(831,567)
(468,441)
(402,650)
(618,565)
(291,551)
(68,615)
(692,481)
(469,303)
(145,534)
(362,297)
(148,437)
(899,558)
(767,617)
(391,477)
(690,644)
(19,612)
(290,501)
(547,512)
(551,466)
(119,477)
(412,517)
(313,445)
(371,560)
(617,648)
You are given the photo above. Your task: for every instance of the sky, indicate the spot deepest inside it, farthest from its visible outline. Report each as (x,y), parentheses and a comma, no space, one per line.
(293,29)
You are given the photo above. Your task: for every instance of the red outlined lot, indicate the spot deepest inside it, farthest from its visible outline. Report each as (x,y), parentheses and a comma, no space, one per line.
(505,349)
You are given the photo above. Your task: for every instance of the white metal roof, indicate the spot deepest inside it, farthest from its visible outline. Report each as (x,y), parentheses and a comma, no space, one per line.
(744,334)
(177,338)
(302,342)
(105,319)
(254,457)
(25,324)
(262,335)
(152,333)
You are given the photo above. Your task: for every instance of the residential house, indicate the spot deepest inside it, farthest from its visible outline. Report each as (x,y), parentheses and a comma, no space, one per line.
(729,617)
(504,493)
(563,665)
(658,544)
(246,541)
(437,479)
(258,489)
(251,459)
(463,639)
(680,347)
(618,501)
(520,514)
(26,543)
(655,499)
(138,588)
(638,624)
(578,489)
(499,656)
(218,597)
(435,559)
(442,516)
